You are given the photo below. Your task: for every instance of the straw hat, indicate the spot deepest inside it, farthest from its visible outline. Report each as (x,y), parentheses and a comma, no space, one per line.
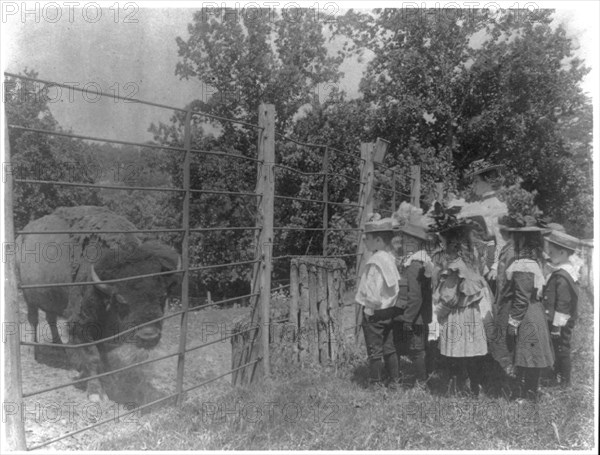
(564,240)
(446,219)
(411,221)
(377,224)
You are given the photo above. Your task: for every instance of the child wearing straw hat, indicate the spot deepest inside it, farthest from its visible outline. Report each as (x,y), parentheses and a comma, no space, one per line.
(527,334)
(414,298)
(561,295)
(461,299)
(377,293)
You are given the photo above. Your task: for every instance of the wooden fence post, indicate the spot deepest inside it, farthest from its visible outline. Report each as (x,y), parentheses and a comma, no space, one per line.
(415,187)
(257,344)
(365,200)
(14,430)
(325,198)
(370,154)
(439,191)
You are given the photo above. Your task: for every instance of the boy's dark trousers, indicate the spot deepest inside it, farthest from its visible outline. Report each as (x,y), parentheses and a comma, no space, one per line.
(410,340)
(562,353)
(380,345)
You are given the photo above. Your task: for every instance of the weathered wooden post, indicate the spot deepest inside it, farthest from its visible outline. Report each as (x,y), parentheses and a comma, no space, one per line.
(370,154)
(14,430)
(415,187)
(439,191)
(325,172)
(317,285)
(254,344)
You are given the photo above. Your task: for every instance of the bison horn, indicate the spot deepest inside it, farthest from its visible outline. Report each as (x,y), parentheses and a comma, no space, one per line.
(98,283)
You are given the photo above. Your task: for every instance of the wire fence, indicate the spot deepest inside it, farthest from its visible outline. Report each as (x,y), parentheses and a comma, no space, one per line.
(326,178)
(185,230)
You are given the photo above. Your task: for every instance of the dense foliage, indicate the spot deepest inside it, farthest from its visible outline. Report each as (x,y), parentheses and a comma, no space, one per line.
(444,89)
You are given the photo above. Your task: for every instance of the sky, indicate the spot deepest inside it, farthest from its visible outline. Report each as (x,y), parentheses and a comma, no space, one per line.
(130,49)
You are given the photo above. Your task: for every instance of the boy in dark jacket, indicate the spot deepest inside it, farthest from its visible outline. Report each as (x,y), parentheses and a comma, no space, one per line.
(410,327)
(560,300)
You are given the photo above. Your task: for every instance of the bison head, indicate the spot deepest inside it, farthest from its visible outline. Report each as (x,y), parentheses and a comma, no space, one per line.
(128,304)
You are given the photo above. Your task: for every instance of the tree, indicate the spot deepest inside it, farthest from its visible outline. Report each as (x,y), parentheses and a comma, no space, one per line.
(258,56)
(502,86)
(37,156)
(241,60)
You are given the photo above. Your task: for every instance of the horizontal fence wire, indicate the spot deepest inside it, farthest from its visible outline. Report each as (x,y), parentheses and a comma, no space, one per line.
(132,329)
(92,283)
(319,201)
(208,343)
(103,231)
(93,185)
(292,256)
(227,228)
(137,144)
(327,174)
(299,228)
(306,144)
(296,171)
(387,190)
(215,266)
(229,193)
(138,409)
(383,166)
(224,155)
(132,188)
(280,287)
(99,375)
(337,174)
(96,139)
(131,100)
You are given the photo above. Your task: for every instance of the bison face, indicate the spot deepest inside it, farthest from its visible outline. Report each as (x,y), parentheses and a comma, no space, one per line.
(135,302)
(129,304)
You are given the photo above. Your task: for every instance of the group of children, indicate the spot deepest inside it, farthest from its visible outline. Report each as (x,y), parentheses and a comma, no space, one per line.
(457,288)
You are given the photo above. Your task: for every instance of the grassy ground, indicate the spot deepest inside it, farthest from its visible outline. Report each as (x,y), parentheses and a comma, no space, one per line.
(309,407)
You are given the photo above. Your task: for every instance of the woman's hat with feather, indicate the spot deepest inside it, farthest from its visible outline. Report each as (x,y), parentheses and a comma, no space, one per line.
(523,214)
(446,219)
(410,220)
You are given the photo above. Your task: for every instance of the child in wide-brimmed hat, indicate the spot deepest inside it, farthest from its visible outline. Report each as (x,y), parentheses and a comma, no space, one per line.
(414,298)
(461,299)
(527,335)
(561,295)
(377,293)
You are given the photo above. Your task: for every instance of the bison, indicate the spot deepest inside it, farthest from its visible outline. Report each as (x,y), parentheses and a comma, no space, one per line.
(94,312)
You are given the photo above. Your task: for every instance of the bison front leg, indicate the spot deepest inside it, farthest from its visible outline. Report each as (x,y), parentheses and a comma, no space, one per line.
(87,361)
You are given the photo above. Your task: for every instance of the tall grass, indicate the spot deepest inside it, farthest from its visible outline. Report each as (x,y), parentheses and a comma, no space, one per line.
(312,407)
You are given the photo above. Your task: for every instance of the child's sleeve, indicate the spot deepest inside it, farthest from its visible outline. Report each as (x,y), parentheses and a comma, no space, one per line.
(369,290)
(415,298)
(562,304)
(447,294)
(522,287)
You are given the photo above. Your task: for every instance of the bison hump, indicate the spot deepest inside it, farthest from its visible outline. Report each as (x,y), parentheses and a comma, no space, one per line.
(101,219)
